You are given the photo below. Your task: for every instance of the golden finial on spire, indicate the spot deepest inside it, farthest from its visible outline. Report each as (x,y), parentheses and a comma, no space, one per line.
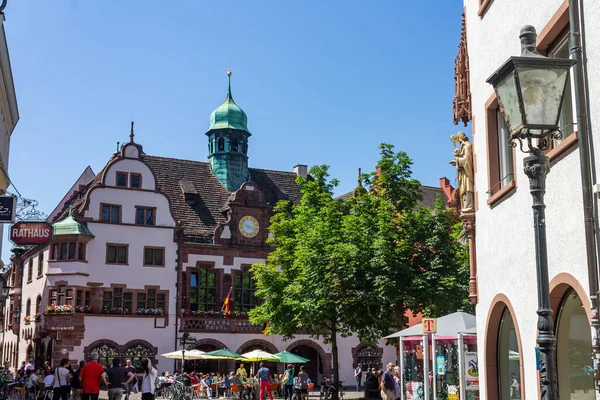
(229,73)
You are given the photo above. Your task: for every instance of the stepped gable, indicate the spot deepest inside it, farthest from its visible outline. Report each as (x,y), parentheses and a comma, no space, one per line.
(198,199)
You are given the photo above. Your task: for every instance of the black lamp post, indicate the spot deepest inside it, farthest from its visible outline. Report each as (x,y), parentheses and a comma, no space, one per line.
(530,89)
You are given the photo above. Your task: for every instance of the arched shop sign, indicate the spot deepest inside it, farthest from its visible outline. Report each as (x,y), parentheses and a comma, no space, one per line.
(30,233)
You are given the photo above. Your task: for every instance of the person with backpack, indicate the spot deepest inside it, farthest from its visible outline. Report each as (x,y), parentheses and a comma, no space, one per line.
(288,382)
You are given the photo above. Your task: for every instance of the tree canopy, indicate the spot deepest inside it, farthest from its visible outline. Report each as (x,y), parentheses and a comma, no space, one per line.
(356,266)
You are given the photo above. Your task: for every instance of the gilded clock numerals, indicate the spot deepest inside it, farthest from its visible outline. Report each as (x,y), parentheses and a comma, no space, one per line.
(249,226)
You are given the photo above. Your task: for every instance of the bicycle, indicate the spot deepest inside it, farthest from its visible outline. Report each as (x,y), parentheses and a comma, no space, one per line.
(328,390)
(180,391)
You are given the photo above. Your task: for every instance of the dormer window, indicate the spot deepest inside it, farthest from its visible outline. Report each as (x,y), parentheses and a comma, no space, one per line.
(121,179)
(136,181)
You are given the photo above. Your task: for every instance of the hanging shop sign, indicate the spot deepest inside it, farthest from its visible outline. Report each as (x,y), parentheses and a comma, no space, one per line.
(30,233)
(429,325)
(8,209)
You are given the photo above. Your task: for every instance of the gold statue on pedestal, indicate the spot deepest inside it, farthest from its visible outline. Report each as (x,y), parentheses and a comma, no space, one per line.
(463,161)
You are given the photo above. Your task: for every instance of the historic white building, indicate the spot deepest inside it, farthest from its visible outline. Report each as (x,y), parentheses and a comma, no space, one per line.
(149,248)
(505,289)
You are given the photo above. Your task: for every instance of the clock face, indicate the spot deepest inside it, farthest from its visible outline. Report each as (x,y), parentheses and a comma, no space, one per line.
(249,226)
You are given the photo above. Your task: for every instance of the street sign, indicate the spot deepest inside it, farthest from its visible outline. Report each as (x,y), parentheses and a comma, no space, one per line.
(429,325)
(8,209)
(30,233)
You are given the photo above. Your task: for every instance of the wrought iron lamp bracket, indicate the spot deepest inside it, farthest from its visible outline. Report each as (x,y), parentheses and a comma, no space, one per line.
(533,140)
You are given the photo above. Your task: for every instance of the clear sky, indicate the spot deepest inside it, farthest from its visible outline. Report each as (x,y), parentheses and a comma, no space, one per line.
(322,82)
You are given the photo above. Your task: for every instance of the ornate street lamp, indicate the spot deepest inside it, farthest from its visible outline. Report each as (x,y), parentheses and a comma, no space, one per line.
(4,289)
(530,89)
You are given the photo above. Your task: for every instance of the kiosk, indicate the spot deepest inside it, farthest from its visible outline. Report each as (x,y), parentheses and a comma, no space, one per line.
(438,360)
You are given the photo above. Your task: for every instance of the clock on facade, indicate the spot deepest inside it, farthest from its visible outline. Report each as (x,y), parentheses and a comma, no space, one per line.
(249,226)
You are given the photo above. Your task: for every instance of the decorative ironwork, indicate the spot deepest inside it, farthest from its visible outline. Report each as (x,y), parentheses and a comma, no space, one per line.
(137,353)
(534,139)
(462,85)
(27,211)
(369,356)
(106,353)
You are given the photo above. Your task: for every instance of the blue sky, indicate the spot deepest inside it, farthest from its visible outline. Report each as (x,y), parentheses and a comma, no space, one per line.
(322,82)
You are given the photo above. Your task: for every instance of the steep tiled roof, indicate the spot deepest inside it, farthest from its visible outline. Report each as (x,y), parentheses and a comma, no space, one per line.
(429,194)
(178,178)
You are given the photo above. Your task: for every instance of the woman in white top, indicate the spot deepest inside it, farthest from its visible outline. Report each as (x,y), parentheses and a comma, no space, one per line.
(148,379)
(62,378)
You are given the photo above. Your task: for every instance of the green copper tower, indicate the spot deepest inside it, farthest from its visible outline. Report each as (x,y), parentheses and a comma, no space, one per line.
(228,143)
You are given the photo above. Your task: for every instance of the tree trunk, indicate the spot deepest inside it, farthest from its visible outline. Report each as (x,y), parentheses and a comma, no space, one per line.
(334,354)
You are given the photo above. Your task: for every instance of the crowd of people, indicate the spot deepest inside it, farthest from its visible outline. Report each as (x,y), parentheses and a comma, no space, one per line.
(383,385)
(84,383)
(244,386)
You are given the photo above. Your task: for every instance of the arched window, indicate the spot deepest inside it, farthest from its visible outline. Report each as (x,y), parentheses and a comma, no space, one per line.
(574,349)
(221,144)
(28,308)
(234,145)
(137,353)
(38,304)
(106,352)
(244,146)
(509,369)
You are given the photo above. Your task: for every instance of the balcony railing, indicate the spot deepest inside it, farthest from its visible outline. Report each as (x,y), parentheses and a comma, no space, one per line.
(220,324)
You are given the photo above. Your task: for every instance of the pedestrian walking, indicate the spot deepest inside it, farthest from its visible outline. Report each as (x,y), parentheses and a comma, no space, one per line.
(303,375)
(76,382)
(130,368)
(62,378)
(148,380)
(288,382)
(118,379)
(358,376)
(90,376)
(265,385)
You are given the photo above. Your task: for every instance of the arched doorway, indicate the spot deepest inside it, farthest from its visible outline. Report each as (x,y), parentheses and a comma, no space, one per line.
(136,352)
(259,344)
(319,364)
(205,366)
(106,349)
(574,349)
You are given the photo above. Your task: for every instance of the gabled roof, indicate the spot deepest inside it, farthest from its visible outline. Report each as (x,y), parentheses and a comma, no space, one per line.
(176,178)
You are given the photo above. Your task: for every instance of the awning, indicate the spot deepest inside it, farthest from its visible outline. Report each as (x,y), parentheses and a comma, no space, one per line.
(449,325)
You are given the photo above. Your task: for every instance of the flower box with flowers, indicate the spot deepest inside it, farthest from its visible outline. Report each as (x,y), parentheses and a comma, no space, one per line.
(84,309)
(37,317)
(215,314)
(54,309)
(150,311)
(117,310)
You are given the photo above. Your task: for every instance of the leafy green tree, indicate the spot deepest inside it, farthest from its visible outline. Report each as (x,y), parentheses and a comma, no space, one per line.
(356,266)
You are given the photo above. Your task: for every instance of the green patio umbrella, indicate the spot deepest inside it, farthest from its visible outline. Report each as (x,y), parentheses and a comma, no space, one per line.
(224,354)
(290,358)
